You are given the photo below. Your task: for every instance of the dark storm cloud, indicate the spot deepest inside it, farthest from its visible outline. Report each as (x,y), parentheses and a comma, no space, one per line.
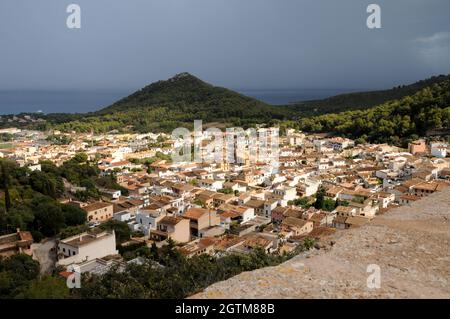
(233,43)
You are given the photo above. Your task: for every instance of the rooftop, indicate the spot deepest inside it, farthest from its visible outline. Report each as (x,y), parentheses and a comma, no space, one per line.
(96,206)
(196,213)
(86,238)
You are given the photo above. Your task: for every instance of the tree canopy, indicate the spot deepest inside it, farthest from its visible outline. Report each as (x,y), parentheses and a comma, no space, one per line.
(396,122)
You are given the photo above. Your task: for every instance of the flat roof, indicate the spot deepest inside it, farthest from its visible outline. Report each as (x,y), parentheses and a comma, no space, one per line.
(85,238)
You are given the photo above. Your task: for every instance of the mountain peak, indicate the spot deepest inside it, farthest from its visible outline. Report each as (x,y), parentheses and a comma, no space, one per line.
(182,76)
(188,97)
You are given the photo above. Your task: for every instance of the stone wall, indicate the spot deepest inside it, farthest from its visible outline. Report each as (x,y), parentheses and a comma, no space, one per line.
(411,245)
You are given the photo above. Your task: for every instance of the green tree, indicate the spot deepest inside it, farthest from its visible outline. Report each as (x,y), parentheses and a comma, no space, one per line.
(15,274)
(225,191)
(121,229)
(49,218)
(46,288)
(328,205)
(46,184)
(320,197)
(80,158)
(73,216)
(154,251)
(302,202)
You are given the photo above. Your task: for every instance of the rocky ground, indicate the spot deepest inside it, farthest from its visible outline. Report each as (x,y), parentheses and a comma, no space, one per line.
(410,244)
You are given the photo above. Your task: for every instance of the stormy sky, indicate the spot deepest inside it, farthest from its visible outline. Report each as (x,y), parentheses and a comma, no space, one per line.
(253,44)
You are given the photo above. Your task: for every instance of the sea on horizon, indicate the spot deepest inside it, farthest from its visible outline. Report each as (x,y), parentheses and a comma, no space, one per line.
(32,101)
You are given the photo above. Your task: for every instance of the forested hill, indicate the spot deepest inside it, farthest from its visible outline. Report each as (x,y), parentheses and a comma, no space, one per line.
(395,122)
(196,99)
(185,91)
(178,101)
(362,100)
(165,105)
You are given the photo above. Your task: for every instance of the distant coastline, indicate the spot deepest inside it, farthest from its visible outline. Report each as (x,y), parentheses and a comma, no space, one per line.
(77,101)
(58,101)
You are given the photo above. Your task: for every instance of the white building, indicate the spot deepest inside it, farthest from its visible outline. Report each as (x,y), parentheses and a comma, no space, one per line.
(269,205)
(337,162)
(308,187)
(211,184)
(295,139)
(119,154)
(439,150)
(248,214)
(112,193)
(86,246)
(148,220)
(286,193)
(123,216)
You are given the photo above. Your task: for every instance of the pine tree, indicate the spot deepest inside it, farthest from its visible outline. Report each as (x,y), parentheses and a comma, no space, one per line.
(320,195)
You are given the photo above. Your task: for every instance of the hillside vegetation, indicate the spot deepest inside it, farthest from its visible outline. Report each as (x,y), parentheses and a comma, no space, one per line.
(29,199)
(395,122)
(363,100)
(165,105)
(400,114)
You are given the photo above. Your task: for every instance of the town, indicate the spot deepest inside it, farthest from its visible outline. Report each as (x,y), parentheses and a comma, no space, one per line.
(322,185)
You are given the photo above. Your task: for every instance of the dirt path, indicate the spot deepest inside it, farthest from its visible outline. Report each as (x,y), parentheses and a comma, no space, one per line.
(43,253)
